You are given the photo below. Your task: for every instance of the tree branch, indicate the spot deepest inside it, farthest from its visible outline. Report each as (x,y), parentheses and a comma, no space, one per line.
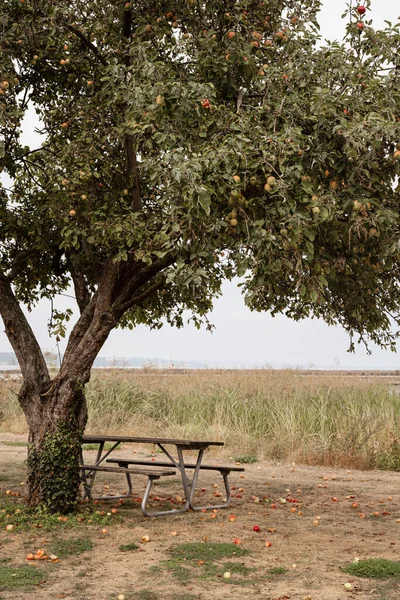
(125,298)
(133,173)
(87,43)
(21,337)
(18,264)
(135,300)
(129,141)
(80,286)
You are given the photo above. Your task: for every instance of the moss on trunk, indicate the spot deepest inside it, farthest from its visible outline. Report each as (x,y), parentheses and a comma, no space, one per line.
(53,467)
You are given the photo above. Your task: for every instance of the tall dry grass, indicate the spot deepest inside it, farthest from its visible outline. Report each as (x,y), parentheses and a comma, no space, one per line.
(280,415)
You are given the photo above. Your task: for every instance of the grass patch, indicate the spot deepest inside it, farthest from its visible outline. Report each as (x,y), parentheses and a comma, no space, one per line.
(182,574)
(107,446)
(23,578)
(211,570)
(237,567)
(23,518)
(389,460)
(206,561)
(128,547)
(374,568)
(208,551)
(246,459)
(22,444)
(145,595)
(72,547)
(277,571)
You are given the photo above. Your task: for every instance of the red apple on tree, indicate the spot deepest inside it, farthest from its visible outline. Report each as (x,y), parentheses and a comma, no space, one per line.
(361,9)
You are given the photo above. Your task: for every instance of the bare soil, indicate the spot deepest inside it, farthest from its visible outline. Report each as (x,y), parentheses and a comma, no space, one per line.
(316,519)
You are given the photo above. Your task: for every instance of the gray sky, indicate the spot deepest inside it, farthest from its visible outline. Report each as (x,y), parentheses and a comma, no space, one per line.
(240,336)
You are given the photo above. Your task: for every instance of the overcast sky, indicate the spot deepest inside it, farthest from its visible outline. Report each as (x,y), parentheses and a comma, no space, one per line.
(240,336)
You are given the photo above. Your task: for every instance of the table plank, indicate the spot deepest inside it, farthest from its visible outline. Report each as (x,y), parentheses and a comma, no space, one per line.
(191,444)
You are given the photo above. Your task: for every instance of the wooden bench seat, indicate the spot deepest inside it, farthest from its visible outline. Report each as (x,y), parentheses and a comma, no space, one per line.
(151,474)
(224,470)
(158,463)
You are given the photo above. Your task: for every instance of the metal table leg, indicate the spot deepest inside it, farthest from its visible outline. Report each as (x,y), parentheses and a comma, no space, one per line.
(159,513)
(224,473)
(88,478)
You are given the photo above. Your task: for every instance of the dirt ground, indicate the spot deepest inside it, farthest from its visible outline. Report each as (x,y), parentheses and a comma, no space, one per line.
(316,520)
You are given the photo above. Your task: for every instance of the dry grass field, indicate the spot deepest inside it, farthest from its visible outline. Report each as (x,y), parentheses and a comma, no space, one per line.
(322,483)
(327,419)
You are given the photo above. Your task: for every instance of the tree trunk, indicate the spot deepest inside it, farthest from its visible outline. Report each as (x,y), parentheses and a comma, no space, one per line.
(56,420)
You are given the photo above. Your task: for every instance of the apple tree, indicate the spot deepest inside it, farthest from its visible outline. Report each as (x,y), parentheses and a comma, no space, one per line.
(185,142)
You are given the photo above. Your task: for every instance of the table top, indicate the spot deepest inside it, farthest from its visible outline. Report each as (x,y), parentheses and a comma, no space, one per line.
(190,444)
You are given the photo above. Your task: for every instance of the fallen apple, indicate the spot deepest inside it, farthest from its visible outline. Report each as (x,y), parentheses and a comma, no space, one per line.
(256,528)
(348,586)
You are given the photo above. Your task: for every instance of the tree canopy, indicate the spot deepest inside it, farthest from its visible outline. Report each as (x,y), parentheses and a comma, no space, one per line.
(162,123)
(190,141)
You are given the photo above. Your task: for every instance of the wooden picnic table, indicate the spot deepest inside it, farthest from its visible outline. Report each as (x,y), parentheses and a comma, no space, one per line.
(152,470)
